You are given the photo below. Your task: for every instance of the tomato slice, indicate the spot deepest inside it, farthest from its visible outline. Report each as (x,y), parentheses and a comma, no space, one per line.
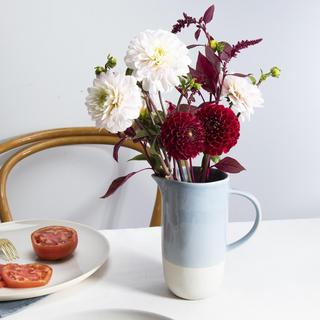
(26,275)
(2,283)
(54,242)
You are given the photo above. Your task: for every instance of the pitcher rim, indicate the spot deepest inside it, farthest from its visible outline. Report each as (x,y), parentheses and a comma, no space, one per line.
(197,184)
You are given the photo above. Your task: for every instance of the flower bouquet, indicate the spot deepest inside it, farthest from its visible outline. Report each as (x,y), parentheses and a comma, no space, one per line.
(173,133)
(204,120)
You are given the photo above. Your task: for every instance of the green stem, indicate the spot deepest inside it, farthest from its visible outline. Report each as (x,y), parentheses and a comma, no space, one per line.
(149,107)
(147,155)
(161,103)
(165,168)
(142,127)
(154,107)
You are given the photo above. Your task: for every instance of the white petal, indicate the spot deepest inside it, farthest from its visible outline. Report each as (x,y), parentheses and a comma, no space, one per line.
(157,58)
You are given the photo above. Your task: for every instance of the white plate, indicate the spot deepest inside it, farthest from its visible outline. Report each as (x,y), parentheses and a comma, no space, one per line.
(91,253)
(115,314)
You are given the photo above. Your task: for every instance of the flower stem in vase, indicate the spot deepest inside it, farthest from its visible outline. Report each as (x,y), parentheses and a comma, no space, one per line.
(205,167)
(191,171)
(188,170)
(165,168)
(182,177)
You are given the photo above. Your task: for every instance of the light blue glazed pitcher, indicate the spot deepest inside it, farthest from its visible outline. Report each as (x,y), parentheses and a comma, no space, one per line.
(194,232)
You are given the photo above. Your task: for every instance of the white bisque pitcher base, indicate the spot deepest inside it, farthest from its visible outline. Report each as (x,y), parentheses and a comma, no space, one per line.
(193,283)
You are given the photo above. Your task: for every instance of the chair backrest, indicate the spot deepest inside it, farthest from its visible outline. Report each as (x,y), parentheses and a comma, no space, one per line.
(42,140)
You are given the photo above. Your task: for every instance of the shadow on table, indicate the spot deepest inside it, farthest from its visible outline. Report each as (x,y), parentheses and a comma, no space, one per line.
(142,274)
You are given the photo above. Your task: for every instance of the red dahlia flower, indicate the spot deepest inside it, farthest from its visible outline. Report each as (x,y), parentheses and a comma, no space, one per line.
(182,135)
(222,128)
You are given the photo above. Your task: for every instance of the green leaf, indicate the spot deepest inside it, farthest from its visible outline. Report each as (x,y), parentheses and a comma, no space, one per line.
(153,149)
(141,134)
(156,164)
(252,79)
(140,156)
(215,159)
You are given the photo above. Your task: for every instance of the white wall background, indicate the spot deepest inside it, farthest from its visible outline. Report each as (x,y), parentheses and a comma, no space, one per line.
(47,53)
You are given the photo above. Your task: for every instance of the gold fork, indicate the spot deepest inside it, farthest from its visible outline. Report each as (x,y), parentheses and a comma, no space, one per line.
(8,249)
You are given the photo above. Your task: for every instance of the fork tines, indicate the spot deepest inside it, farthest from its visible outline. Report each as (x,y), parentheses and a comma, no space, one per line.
(8,249)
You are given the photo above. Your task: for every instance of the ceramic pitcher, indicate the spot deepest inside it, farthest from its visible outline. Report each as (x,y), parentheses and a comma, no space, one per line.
(194,232)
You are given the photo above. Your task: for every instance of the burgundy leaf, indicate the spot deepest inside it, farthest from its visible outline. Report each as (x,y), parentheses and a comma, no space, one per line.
(225,55)
(208,15)
(199,76)
(203,64)
(117,147)
(241,75)
(130,132)
(117,183)
(194,45)
(210,73)
(187,108)
(213,58)
(229,165)
(171,106)
(197,34)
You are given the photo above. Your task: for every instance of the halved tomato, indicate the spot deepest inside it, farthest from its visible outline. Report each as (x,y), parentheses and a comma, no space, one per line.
(2,283)
(54,242)
(26,275)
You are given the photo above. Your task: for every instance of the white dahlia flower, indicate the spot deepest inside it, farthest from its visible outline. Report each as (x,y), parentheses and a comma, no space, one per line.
(244,95)
(157,58)
(114,101)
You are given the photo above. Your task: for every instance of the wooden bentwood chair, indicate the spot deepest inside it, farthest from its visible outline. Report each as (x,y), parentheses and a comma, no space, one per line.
(42,140)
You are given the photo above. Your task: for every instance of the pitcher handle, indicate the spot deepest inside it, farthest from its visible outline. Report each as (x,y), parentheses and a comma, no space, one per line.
(256,205)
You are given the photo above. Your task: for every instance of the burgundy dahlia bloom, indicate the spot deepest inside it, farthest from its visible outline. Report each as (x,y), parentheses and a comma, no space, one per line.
(182,135)
(222,128)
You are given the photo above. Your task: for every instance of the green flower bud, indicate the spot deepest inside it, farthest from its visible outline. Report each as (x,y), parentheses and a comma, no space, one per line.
(144,113)
(129,72)
(275,72)
(220,47)
(213,44)
(99,70)
(197,86)
(263,77)
(111,62)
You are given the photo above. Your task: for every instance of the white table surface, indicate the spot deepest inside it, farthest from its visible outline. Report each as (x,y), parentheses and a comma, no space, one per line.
(276,275)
